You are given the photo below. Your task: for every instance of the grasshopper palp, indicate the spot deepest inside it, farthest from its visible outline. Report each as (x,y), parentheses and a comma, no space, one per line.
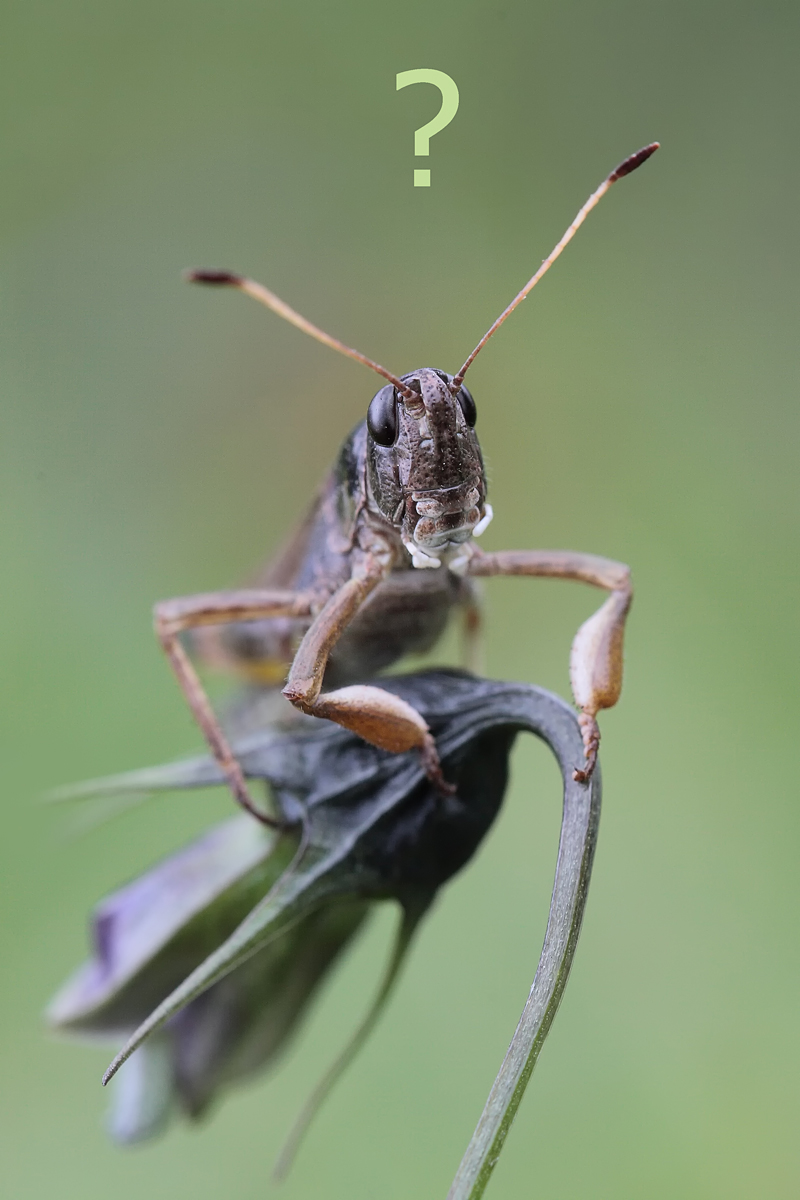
(384,554)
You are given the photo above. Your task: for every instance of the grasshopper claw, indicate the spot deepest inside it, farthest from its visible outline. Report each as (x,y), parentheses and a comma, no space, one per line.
(433,767)
(591,744)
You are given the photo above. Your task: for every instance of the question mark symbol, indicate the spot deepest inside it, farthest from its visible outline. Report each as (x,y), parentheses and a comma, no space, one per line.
(443,118)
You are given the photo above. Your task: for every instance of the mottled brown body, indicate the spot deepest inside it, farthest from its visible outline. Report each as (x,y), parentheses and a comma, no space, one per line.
(405,614)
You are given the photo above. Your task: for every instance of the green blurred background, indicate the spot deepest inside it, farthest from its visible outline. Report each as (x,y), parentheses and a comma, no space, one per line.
(158,440)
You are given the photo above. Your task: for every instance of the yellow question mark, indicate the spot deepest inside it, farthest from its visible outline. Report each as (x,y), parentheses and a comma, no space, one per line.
(443,118)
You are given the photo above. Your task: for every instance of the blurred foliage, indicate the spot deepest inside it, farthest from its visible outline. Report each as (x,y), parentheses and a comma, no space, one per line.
(156,440)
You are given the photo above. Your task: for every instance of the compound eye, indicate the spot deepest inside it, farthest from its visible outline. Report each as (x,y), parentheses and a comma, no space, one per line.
(467,406)
(382,416)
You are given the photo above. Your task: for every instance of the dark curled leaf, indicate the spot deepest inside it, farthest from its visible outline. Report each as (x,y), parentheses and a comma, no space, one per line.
(207,962)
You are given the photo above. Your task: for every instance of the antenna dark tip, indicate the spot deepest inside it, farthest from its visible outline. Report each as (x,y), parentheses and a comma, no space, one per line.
(634,161)
(217,278)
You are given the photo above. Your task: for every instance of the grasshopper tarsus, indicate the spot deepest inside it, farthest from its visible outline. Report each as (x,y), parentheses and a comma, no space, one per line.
(590,732)
(433,768)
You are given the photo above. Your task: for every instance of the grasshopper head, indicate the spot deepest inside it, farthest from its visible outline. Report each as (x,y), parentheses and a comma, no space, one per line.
(424,465)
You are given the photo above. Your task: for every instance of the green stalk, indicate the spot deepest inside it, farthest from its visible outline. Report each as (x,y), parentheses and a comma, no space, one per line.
(579,825)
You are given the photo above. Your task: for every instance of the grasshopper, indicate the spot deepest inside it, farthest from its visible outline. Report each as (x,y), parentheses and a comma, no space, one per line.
(384,554)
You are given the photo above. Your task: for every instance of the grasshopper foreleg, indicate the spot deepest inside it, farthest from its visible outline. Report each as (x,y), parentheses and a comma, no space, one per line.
(378,716)
(596,658)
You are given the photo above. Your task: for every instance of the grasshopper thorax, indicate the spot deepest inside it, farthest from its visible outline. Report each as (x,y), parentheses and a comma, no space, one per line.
(425,472)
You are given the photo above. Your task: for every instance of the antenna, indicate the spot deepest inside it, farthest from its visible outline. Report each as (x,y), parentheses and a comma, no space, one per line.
(270,300)
(624,168)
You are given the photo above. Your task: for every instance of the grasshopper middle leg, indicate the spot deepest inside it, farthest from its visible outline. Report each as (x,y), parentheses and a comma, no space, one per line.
(173,617)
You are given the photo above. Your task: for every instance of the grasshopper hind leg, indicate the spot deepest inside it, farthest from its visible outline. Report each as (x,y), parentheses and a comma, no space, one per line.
(472,631)
(256,652)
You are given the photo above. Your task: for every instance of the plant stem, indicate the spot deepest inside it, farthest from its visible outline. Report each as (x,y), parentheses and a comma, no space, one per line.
(581,815)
